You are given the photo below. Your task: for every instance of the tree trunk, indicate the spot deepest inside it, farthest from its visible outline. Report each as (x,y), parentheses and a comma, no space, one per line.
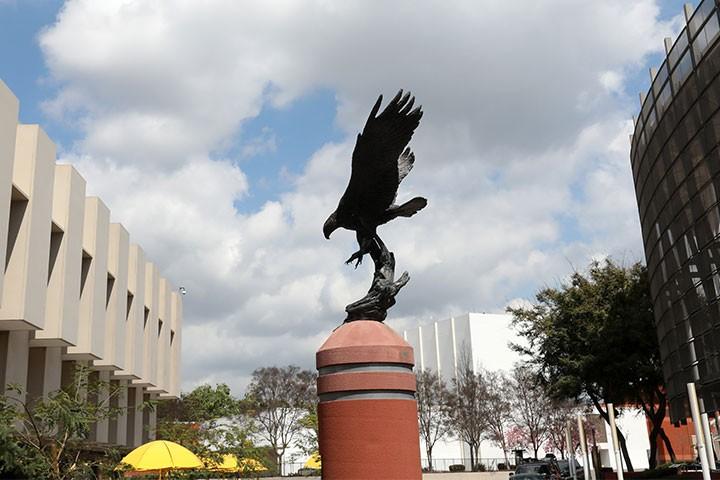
(278,459)
(626,455)
(668,445)
(652,461)
(428,450)
(656,416)
(472,458)
(621,437)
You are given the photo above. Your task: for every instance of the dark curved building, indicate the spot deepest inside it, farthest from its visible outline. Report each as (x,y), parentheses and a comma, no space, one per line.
(676,168)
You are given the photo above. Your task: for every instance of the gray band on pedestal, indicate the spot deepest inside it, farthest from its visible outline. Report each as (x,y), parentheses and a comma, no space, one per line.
(367,395)
(365,367)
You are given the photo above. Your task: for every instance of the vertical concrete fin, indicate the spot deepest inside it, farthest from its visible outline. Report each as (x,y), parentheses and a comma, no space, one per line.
(8,128)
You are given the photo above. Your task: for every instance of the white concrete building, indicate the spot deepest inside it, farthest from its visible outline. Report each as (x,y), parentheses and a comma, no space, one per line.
(486,338)
(75,289)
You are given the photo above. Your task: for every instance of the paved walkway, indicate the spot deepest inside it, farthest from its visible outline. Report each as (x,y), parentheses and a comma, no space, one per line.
(436,476)
(467,476)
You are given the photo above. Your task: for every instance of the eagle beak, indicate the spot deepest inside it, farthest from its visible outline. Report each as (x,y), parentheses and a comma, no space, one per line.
(330,226)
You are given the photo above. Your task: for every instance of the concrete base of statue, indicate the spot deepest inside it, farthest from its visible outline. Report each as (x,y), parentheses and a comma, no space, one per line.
(368,426)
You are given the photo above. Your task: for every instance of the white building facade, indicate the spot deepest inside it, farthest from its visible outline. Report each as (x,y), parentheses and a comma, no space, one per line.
(75,290)
(441,346)
(485,339)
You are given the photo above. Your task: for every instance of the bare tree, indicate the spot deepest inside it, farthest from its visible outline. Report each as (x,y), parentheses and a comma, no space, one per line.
(531,406)
(279,399)
(433,411)
(498,409)
(557,419)
(467,407)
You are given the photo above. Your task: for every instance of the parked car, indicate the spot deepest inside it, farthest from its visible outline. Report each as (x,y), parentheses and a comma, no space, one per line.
(537,471)
(564,466)
(552,460)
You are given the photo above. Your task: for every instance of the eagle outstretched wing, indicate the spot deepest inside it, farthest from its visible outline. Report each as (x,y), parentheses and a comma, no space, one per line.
(380,161)
(377,164)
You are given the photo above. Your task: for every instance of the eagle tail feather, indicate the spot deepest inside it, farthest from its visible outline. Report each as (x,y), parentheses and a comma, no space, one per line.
(411,207)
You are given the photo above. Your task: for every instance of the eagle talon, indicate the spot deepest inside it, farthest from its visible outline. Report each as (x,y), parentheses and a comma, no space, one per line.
(356,257)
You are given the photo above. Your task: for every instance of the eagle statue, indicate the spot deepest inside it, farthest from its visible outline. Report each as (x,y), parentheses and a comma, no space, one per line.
(380,161)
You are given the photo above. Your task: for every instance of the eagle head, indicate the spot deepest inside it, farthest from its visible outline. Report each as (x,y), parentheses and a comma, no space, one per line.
(331,225)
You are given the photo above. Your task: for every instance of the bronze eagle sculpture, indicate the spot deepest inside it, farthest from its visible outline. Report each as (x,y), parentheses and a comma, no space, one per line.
(380,161)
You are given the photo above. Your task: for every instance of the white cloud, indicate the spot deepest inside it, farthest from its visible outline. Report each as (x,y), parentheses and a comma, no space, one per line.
(522,137)
(612,81)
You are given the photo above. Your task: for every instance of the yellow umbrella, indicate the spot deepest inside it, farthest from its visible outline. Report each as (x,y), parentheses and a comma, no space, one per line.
(314,461)
(161,455)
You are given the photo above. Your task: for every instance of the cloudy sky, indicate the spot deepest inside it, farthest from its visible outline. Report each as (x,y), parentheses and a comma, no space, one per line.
(220,133)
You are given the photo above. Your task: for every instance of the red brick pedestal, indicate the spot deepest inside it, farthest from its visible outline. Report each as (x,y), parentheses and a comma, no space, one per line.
(367,413)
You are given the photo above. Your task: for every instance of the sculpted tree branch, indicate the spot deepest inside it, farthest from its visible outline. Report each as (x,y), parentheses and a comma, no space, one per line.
(380,161)
(381,295)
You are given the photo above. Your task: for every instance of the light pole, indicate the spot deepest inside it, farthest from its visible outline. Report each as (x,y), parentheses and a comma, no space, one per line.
(583,447)
(570,449)
(699,437)
(615,443)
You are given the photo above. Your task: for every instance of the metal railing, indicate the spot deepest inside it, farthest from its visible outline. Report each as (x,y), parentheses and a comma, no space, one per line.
(443,464)
(291,469)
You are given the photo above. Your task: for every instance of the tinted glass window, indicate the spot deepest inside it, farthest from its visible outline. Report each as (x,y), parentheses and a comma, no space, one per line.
(660,78)
(678,49)
(677,182)
(651,121)
(682,71)
(663,99)
(701,13)
(706,37)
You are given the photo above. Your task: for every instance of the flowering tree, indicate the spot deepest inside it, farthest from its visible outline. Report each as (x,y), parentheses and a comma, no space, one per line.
(517,438)
(560,413)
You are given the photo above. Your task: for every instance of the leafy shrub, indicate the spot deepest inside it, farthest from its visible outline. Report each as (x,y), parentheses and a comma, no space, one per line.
(458,467)
(659,472)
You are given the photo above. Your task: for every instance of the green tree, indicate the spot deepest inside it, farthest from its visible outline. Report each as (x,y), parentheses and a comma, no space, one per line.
(15,458)
(308,437)
(50,432)
(278,399)
(207,421)
(204,403)
(594,338)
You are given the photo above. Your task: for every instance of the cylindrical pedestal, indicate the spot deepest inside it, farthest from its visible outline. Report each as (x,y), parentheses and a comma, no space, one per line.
(367,413)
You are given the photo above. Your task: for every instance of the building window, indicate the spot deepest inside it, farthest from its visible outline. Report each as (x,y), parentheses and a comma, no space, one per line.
(18,206)
(56,237)
(84,271)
